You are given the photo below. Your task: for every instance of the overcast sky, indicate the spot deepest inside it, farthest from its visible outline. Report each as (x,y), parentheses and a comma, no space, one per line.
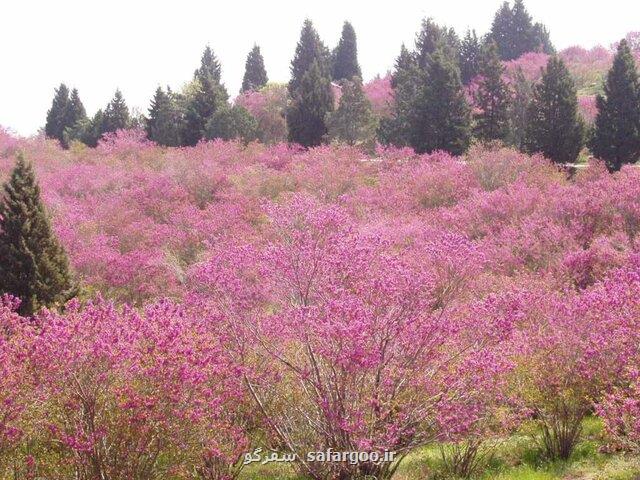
(136,45)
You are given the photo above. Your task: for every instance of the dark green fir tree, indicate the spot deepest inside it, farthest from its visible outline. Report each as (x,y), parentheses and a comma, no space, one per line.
(33,265)
(492,98)
(232,123)
(470,57)
(255,75)
(164,123)
(353,121)
(116,115)
(209,66)
(205,99)
(616,138)
(441,117)
(310,104)
(57,114)
(309,49)
(345,56)
(433,37)
(554,127)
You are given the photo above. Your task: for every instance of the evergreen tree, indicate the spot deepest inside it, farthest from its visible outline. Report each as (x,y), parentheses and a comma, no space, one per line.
(164,123)
(433,37)
(310,103)
(209,66)
(515,34)
(116,115)
(255,75)
(470,57)
(554,127)
(57,114)
(405,82)
(34,266)
(345,56)
(616,138)
(230,123)
(207,97)
(75,114)
(353,122)
(492,98)
(522,93)
(441,116)
(310,49)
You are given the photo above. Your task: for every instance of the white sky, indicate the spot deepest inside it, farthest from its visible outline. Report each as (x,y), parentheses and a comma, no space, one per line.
(137,45)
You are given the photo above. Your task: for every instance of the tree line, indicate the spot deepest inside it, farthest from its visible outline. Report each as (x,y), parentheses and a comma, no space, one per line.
(435,107)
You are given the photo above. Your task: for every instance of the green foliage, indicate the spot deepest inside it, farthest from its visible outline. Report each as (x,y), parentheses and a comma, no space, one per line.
(617,127)
(209,67)
(433,37)
(345,56)
(515,34)
(116,115)
(202,102)
(492,98)
(310,49)
(440,116)
(353,122)
(522,93)
(87,131)
(255,75)
(229,123)
(470,57)
(165,121)
(34,266)
(309,106)
(64,113)
(554,127)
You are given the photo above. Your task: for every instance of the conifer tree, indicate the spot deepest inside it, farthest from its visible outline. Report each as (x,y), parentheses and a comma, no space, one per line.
(616,138)
(470,57)
(522,92)
(75,114)
(255,75)
(440,118)
(310,103)
(230,123)
(353,122)
(492,98)
(164,123)
(310,49)
(207,97)
(116,115)
(209,66)
(57,114)
(345,56)
(432,37)
(554,127)
(33,265)
(523,35)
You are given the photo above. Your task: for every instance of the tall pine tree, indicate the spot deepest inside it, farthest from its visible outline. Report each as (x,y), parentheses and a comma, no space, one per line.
(441,118)
(309,49)
(206,98)
(33,265)
(164,123)
(310,104)
(209,66)
(255,75)
(554,127)
(433,37)
(57,114)
(116,115)
(345,56)
(470,57)
(492,98)
(616,138)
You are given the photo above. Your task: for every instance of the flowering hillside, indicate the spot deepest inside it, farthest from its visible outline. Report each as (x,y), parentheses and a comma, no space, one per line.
(240,296)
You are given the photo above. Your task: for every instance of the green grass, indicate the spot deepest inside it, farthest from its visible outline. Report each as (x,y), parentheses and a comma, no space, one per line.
(516,458)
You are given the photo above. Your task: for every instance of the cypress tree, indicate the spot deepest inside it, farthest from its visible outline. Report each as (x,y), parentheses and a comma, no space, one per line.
(116,115)
(616,138)
(353,122)
(57,114)
(554,127)
(345,56)
(310,49)
(441,116)
(34,266)
(310,103)
(207,97)
(209,66)
(432,37)
(164,123)
(405,82)
(255,75)
(492,98)
(470,57)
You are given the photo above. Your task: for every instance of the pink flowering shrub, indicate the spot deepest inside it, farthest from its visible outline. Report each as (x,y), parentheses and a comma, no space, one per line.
(380,93)
(267,105)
